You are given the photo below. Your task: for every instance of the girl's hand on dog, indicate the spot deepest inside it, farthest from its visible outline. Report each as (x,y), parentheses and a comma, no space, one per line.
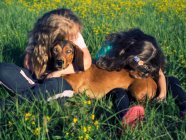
(161,96)
(54,74)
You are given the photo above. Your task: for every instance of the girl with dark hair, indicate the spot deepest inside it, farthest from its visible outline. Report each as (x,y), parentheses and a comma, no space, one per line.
(141,54)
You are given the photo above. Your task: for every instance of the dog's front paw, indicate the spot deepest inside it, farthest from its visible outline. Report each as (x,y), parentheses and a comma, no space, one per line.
(66,93)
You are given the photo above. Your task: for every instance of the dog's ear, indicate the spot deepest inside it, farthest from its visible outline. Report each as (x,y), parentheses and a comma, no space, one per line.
(39,60)
(78,62)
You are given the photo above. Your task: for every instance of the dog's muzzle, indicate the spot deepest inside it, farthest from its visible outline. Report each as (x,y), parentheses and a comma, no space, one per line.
(59,63)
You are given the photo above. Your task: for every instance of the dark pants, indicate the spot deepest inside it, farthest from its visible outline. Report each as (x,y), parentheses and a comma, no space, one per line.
(121,98)
(121,101)
(177,92)
(19,80)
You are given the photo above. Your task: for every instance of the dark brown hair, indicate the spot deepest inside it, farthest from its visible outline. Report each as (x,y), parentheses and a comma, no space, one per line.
(129,45)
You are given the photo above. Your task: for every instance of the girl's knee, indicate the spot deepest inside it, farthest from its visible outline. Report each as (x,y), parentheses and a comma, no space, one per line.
(3,71)
(6,69)
(118,91)
(173,80)
(119,94)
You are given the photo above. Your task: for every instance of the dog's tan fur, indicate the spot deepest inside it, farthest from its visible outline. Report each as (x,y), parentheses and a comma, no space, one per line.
(98,82)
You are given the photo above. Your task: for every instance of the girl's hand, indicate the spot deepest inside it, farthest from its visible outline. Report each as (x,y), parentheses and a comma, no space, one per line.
(27,62)
(162,86)
(54,74)
(161,96)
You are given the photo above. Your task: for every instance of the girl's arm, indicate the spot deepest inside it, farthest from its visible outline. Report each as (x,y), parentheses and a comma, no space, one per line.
(162,86)
(29,49)
(27,63)
(70,69)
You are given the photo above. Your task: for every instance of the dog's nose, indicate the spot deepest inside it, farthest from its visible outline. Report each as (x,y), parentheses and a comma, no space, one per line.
(60,62)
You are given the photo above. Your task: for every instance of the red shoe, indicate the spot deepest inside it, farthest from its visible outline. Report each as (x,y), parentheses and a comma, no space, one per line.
(133,115)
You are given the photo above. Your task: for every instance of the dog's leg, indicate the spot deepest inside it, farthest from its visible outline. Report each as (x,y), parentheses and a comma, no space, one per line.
(66,93)
(143,88)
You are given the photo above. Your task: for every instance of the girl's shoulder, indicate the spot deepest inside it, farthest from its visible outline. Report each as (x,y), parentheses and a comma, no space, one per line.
(79,41)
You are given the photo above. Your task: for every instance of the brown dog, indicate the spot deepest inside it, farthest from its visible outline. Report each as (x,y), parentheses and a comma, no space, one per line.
(95,81)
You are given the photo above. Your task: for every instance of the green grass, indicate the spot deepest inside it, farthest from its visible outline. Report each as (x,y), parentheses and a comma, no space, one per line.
(161,119)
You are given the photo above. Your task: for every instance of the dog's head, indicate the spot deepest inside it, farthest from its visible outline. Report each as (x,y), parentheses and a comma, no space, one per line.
(65,53)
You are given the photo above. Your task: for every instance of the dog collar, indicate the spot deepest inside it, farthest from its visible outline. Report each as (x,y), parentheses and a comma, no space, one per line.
(138,60)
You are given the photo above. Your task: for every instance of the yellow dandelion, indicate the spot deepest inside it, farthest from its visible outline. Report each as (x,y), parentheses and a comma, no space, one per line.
(96,123)
(87,136)
(89,102)
(75,120)
(84,129)
(27,116)
(48,118)
(89,128)
(66,134)
(33,123)
(57,1)
(93,116)
(37,131)
(80,137)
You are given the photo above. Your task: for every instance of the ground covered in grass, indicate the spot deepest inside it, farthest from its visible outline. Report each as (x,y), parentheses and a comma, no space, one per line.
(80,117)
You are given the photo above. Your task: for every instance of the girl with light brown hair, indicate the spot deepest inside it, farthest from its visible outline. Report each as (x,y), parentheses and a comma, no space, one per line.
(36,81)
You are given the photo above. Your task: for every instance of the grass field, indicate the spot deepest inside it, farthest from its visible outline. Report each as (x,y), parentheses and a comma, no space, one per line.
(80,117)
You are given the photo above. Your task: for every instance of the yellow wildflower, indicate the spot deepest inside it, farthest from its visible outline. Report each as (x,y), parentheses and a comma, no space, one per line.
(96,123)
(37,131)
(66,134)
(33,122)
(84,129)
(89,128)
(57,1)
(93,117)
(75,120)
(27,116)
(87,136)
(48,118)
(89,102)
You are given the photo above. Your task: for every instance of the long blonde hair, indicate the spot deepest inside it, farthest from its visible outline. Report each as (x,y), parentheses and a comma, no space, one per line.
(61,23)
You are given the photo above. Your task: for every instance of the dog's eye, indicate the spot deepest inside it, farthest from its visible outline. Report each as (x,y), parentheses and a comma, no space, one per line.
(68,51)
(55,50)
